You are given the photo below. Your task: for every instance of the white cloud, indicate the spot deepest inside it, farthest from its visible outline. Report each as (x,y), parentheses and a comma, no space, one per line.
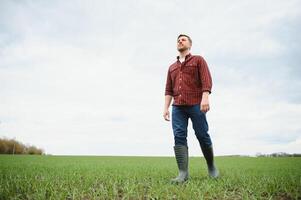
(89,78)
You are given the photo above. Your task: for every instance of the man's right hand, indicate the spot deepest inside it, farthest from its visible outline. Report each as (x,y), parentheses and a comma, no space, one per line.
(166,115)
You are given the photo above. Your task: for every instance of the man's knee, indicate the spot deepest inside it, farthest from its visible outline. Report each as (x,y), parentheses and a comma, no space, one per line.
(180,140)
(204,140)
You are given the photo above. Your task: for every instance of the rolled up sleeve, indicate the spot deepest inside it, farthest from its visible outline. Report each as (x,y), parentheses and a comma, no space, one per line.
(205,75)
(168,85)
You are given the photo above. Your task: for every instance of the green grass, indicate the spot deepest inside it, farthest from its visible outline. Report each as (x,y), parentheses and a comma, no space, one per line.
(92,177)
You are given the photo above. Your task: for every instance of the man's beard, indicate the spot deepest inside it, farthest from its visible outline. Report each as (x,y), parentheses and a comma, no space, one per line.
(181,49)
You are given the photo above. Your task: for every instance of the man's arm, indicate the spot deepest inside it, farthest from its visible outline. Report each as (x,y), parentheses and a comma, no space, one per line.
(168,85)
(205,76)
(206,81)
(168,100)
(168,97)
(205,102)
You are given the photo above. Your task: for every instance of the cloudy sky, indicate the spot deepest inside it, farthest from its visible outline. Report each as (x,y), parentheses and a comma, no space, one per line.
(88,77)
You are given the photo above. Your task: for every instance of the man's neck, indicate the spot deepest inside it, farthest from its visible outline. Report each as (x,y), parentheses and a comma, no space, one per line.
(184,53)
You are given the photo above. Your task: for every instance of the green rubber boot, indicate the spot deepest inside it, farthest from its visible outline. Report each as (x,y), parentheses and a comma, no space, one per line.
(208,154)
(181,154)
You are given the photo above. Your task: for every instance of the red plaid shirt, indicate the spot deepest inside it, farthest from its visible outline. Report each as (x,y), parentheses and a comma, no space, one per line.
(187,81)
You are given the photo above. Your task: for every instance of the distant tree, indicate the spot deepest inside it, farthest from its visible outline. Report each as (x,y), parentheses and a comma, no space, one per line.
(12,146)
(278,154)
(33,150)
(4,148)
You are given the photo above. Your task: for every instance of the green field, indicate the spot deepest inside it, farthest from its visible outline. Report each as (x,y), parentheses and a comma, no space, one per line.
(105,177)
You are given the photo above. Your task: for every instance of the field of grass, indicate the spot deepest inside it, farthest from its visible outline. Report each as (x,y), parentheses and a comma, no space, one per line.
(105,177)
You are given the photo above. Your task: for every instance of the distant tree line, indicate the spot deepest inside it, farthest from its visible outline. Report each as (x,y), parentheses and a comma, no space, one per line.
(12,146)
(279,154)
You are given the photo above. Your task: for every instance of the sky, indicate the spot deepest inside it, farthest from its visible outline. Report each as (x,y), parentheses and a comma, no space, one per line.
(88,77)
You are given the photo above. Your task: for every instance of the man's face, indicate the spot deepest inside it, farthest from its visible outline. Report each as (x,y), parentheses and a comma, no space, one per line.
(183,44)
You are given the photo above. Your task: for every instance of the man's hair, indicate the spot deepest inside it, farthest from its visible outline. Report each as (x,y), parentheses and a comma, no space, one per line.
(185,36)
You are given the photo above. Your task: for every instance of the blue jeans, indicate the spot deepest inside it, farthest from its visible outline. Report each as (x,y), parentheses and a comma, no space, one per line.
(180,116)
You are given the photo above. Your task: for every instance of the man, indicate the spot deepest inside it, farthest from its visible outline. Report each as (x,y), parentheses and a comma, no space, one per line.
(189,84)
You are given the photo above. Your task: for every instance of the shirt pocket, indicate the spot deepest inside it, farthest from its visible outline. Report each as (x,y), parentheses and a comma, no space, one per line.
(192,76)
(191,69)
(174,71)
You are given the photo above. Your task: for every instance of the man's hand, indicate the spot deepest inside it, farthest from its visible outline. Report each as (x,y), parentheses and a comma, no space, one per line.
(168,99)
(166,115)
(205,102)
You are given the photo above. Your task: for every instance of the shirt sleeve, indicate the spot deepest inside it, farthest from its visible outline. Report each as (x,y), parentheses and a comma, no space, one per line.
(205,75)
(168,85)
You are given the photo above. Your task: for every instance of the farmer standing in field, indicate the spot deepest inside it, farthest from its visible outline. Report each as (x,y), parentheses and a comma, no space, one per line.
(189,84)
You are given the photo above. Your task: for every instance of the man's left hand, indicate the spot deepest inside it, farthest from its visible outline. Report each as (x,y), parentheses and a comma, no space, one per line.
(205,102)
